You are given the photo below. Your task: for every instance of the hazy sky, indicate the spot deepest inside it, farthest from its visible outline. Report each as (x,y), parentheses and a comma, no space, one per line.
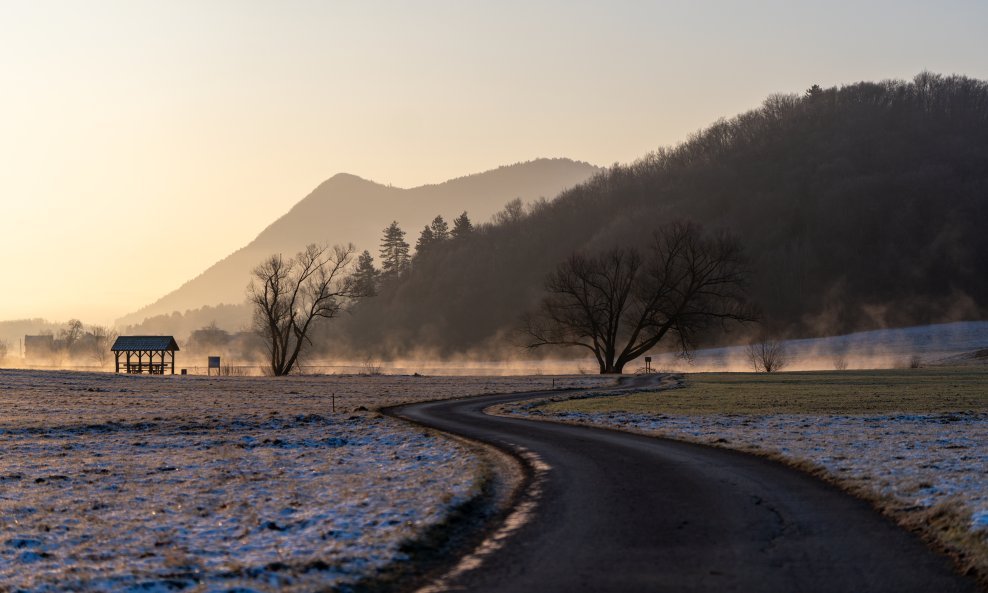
(142,141)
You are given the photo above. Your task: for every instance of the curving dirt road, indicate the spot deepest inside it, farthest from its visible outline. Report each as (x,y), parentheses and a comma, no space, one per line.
(611,511)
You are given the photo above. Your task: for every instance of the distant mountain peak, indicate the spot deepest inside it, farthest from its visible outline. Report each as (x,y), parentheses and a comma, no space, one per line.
(344,180)
(348,208)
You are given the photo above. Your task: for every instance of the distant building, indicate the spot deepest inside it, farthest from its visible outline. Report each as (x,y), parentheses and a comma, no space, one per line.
(38,347)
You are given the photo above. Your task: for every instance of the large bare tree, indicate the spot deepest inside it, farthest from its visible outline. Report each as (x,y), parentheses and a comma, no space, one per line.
(289,296)
(621,303)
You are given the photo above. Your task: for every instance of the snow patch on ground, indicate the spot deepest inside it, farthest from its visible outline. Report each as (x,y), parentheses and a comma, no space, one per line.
(979,521)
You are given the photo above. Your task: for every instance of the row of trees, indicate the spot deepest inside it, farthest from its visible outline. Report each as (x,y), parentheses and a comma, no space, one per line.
(243,345)
(395,255)
(75,343)
(289,296)
(618,304)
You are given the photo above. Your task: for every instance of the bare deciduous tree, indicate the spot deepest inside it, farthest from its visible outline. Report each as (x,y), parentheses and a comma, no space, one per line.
(767,356)
(513,211)
(620,304)
(289,296)
(100,341)
(70,336)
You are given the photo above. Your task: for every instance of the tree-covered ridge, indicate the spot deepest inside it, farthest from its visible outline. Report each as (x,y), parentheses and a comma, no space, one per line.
(348,209)
(859,206)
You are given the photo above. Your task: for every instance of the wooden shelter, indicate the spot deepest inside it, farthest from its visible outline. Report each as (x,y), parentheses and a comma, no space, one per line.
(145,354)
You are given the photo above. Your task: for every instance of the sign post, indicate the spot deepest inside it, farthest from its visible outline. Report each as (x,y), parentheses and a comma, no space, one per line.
(214,363)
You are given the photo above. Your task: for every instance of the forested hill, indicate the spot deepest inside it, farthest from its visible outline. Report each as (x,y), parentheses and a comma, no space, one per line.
(346,208)
(861,206)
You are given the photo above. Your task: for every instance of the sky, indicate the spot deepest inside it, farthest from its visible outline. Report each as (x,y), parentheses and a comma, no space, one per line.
(140,141)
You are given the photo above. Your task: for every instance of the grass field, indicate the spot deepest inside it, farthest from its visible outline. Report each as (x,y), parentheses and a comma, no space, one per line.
(919,391)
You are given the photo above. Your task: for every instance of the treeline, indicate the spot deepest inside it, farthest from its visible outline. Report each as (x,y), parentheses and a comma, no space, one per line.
(230,318)
(221,330)
(861,206)
(42,342)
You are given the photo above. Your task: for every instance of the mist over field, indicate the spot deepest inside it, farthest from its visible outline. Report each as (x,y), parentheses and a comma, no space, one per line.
(493,296)
(859,207)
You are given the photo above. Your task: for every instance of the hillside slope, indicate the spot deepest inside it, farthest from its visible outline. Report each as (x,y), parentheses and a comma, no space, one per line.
(346,208)
(861,207)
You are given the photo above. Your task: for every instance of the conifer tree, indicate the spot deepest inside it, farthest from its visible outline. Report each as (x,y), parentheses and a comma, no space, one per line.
(432,234)
(440,230)
(461,226)
(394,251)
(365,276)
(426,239)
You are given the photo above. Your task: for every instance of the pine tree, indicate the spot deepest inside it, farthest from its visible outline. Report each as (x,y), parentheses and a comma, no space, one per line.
(432,234)
(462,226)
(365,276)
(440,230)
(426,239)
(814,91)
(394,251)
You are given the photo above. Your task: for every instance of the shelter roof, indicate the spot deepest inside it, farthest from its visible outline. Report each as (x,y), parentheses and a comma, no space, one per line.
(158,343)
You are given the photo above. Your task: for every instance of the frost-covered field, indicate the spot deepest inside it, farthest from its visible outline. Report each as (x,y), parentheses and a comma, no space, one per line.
(913,441)
(136,483)
(920,460)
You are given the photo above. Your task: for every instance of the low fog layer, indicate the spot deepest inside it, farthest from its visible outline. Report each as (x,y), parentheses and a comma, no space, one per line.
(861,207)
(960,343)
(943,344)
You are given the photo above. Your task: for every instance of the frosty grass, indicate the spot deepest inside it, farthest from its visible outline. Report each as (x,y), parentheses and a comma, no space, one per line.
(135,483)
(919,460)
